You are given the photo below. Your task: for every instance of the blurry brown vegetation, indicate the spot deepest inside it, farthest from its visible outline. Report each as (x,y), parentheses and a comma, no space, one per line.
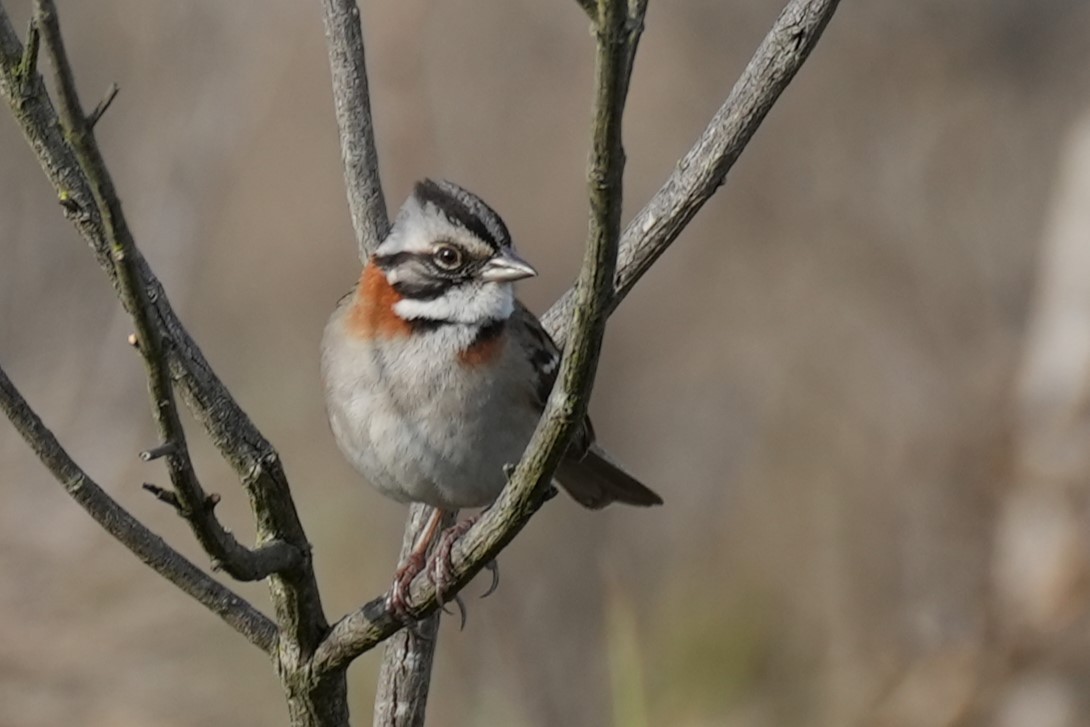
(859,379)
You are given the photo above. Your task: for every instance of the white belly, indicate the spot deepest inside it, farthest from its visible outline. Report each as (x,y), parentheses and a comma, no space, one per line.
(438,433)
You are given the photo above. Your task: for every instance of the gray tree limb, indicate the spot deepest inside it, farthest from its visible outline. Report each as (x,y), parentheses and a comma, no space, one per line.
(352,103)
(405,675)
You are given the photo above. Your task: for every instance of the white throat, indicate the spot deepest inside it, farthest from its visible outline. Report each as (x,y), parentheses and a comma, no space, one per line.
(469,304)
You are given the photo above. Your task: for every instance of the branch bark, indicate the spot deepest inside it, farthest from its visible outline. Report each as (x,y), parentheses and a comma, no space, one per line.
(352,103)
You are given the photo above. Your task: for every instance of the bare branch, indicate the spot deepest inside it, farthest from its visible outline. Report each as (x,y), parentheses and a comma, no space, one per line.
(146,545)
(351,100)
(225,550)
(704,168)
(103,105)
(401,697)
(590,8)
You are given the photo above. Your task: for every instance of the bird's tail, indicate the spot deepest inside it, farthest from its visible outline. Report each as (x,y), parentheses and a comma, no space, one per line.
(596,481)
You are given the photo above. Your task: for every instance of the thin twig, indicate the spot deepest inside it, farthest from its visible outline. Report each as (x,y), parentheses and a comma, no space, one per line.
(130,532)
(352,102)
(162,450)
(237,560)
(103,104)
(28,67)
(163,495)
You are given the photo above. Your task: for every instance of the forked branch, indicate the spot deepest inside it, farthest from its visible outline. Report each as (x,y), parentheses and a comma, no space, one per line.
(146,545)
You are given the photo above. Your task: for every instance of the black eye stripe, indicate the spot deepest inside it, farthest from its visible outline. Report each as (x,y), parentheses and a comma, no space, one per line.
(393,260)
(397,259)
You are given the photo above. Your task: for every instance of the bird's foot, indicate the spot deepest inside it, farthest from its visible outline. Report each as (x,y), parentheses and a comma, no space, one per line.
(441,567)
(397,600)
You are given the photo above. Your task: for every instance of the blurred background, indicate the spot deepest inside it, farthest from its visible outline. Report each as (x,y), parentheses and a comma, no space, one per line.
(861,379)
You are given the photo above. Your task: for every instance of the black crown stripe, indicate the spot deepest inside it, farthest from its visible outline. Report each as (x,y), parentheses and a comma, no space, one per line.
(459,209)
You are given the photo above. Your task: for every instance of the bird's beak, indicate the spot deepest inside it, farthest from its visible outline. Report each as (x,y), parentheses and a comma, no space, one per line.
(507,267)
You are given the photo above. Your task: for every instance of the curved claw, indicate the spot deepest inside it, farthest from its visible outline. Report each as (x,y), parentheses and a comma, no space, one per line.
(457,602)
(494,568)
(461,611)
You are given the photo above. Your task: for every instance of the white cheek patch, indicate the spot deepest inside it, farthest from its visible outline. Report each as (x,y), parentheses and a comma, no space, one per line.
(465,304)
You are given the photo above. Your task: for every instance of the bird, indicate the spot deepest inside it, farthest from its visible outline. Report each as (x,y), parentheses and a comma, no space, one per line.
(435,374)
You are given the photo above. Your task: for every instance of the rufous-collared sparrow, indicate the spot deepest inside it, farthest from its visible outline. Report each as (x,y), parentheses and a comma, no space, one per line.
(435,375)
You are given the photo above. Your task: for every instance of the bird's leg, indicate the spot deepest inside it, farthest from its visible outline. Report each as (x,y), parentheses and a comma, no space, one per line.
(397,599)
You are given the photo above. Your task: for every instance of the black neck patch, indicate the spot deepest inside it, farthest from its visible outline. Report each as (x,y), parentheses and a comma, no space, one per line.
(487,332)
(423,325)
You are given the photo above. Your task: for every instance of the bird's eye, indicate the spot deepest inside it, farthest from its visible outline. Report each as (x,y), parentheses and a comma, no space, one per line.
(448,257)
